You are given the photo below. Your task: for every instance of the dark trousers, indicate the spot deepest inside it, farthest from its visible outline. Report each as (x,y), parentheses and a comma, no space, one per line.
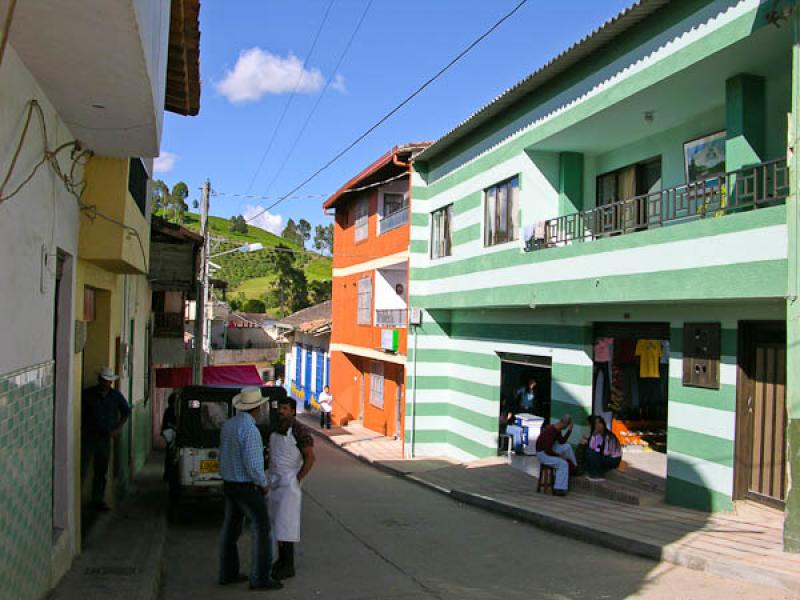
(324,420)
(245,500)
(597,464)
(96,450)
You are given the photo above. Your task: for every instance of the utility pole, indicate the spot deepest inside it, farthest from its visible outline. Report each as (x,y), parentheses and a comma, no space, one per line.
(201,336)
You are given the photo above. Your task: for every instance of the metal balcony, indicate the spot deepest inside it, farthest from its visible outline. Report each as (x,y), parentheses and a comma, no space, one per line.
(168,325)
(393,221)
(762,185)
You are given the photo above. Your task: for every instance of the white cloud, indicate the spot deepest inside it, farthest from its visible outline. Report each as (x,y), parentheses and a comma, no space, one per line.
(266,220)
(258,73)
(165,162)
(338,84)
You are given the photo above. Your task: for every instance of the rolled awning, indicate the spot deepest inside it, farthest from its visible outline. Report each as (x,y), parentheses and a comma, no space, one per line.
(178,377)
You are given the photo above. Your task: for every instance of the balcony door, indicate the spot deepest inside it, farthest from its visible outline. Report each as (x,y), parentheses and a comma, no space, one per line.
(613,214)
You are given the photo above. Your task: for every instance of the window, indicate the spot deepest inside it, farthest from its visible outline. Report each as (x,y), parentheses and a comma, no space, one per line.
(361,219)
(393,211)
(393,202)
(137,184)
(364,316)
(376,385)
(501,213)
(441,236)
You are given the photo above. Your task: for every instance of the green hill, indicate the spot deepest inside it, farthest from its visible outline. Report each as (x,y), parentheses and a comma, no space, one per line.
(250,273)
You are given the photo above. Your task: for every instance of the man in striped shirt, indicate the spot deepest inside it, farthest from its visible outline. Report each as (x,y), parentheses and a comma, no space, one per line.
(241,458)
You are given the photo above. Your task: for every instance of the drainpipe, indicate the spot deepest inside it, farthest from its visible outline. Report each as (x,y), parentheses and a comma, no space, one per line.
(413,395)
(407,165)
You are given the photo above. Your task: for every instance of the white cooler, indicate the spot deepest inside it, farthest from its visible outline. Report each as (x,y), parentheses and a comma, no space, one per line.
(532,425)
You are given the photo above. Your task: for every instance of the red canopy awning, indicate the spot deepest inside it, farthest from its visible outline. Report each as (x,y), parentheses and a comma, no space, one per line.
(178,377)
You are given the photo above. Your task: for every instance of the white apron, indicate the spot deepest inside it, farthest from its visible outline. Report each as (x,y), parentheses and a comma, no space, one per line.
(285,461)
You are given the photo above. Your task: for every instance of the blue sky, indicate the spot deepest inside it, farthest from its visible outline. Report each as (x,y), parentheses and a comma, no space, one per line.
(251,59)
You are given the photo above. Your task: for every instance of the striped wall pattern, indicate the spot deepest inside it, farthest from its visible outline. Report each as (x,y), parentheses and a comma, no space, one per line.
(455,397)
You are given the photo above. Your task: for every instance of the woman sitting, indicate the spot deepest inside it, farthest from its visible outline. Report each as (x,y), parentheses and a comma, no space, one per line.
(603,451)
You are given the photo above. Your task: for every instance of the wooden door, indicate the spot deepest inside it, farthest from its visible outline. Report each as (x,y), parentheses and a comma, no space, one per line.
(768,451)
(761,422)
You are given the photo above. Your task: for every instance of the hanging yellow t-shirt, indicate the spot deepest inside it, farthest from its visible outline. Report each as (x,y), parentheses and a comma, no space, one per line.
(649,353)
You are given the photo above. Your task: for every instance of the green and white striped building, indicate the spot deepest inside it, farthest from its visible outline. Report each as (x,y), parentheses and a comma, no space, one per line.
(589,162)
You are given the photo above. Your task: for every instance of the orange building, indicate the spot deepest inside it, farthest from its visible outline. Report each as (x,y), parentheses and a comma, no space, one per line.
(370,293)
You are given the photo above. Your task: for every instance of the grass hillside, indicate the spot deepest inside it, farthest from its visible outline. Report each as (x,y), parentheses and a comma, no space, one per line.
(250,272)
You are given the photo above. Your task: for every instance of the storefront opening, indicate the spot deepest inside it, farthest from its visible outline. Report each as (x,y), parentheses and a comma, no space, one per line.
(516,371)
(631,381)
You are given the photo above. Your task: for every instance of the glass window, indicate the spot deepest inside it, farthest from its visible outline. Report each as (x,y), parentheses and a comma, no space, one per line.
(501,213)
(213,414)
(364,316)
(393,202)
(441,235)
(376,385)
(361,219)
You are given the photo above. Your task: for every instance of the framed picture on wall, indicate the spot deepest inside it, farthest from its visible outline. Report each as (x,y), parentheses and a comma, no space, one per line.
(704,157)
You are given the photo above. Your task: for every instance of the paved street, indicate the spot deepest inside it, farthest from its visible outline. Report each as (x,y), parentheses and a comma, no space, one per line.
(368,535)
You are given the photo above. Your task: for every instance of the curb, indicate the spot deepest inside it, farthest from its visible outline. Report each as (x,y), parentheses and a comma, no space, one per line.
(670,554)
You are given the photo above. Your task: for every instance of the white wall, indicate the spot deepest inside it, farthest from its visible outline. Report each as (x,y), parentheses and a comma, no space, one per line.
(43,214)
(386,296)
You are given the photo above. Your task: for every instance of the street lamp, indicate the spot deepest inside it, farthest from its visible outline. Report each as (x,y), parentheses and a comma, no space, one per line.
(254,247)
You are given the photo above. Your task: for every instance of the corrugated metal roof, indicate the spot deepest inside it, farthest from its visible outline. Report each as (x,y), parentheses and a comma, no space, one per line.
(589,44)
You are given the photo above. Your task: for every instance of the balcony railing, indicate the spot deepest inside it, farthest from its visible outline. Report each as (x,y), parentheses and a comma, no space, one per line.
(394,220)
(392,317)
(762,185)
(168,324)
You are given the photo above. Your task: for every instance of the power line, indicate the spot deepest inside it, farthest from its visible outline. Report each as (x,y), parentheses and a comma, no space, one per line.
(291,96)
(215,193)
(320,96)
(388,115)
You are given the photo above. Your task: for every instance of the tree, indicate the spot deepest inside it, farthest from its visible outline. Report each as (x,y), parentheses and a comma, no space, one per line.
(238,224)
(304,231)
(323,238)
(180,191)
(319,291)
(291,233)
(291,288)
(161,197)
(254,306)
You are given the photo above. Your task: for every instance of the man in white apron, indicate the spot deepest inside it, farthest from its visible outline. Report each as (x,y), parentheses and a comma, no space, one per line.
(291,456)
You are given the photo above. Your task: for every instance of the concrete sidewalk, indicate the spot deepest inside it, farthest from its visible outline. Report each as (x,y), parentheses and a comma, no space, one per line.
(746,545)
(123,552)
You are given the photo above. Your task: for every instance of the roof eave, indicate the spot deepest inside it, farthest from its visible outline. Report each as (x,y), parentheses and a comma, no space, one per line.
(587,45)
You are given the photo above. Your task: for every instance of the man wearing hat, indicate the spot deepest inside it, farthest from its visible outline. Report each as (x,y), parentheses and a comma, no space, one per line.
(103,413)
(291,456)
(241,457)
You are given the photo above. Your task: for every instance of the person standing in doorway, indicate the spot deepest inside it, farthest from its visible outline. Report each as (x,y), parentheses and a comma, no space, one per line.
(103,413)
(526,396)
(291,456)
(325,408)
(241,465)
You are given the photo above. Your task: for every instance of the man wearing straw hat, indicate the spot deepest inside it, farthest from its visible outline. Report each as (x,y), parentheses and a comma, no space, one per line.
(241,458)
(103,413)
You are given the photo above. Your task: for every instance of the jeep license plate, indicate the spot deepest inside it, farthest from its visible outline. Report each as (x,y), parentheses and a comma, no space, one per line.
(209,466)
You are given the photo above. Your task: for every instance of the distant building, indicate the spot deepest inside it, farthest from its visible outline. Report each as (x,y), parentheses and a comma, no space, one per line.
(305,336)
(370,292)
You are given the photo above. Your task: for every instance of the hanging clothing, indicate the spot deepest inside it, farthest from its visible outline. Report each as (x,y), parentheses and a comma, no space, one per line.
(649,353)
(285,496)
(664,352)
(625,351)
(602,349)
